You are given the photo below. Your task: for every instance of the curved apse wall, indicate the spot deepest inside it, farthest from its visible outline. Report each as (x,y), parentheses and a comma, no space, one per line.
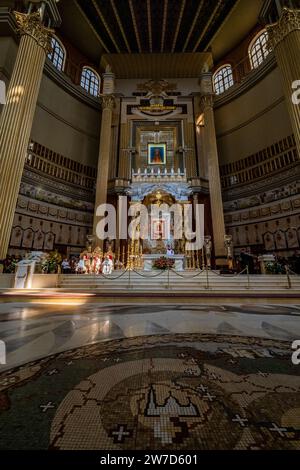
(55,204)
(259,164)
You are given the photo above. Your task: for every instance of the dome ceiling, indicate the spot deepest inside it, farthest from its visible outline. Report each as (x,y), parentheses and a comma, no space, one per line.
(155,26)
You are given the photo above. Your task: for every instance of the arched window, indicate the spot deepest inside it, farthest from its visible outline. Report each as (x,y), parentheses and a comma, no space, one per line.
(90,81)
(223,79)
(57,55)
(258,50)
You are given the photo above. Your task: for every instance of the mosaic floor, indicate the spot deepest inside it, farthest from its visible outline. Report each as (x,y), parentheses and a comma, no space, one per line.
(184,391)
(149,377)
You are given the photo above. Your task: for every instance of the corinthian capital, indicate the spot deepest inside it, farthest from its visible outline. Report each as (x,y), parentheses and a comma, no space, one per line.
(31,25)
(107,101)
(207,101)
(288,22)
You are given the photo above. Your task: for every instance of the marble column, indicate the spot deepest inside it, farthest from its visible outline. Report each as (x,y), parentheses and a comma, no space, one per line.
(17,115)
(284,40)
(108,103)
(211,153)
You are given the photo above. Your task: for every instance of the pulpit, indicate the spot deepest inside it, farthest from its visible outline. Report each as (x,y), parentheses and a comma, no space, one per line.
(25,270)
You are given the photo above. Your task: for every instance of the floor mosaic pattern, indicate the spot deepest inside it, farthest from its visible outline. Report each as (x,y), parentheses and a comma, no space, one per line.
(159,392)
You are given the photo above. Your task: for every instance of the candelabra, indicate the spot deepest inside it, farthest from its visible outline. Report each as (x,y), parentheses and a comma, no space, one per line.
(229,248)
(207,249)
(90,241)
(123,256)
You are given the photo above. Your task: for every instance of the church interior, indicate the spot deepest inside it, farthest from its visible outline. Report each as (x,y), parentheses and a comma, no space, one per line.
(149,225)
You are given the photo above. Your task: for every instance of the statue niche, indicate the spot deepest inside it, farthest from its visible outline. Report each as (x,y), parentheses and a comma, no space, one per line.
(160,229)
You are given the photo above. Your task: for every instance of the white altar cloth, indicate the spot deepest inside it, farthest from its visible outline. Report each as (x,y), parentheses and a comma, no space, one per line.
(149,260)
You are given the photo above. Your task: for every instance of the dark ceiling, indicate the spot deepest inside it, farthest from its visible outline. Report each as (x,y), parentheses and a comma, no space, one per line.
(135,26)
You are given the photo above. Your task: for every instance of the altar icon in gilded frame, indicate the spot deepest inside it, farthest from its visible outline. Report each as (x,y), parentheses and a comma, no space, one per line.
(158,231)
(157,154)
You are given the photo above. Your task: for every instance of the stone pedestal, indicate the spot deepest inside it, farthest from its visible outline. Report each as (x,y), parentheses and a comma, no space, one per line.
(17,116)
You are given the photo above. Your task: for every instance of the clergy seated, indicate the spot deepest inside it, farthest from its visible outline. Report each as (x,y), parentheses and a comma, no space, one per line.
(107,265)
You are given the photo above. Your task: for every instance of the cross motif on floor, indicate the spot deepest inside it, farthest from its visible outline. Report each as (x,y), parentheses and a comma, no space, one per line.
(105,359)
(182,356)
(120,434)
(52,372)
(192,372)
(201,388)
(212,375)
(8,381)
(242,421)
(47,407)
(209,396)
(262,374)
(281,431)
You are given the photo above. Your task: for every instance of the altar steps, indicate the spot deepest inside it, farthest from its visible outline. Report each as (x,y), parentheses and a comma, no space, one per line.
(190,282)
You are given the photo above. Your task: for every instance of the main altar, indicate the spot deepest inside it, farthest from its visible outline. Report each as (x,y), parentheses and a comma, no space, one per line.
(149,259)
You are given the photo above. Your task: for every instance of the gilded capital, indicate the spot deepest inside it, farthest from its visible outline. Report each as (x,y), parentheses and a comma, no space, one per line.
(31,25)
(288,23)
(107,101)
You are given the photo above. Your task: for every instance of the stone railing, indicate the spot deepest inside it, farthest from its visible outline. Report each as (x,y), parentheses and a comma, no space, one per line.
(44,166)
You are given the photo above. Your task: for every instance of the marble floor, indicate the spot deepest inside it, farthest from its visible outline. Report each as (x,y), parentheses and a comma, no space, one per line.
(33,331)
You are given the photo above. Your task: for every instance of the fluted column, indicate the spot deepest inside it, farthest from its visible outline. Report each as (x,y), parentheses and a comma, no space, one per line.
(125,155)
(190,156)
(108,102)
(211,152)
(284,40)
(17,116)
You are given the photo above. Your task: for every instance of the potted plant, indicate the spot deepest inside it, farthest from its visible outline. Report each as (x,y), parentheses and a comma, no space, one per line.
(51,262)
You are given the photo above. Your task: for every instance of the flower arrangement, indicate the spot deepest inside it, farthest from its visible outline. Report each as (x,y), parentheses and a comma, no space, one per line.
(51,262)
(164,263)
(9,265)
(274,268)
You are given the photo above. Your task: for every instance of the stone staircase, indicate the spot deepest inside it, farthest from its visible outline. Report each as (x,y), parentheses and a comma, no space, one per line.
(182,284)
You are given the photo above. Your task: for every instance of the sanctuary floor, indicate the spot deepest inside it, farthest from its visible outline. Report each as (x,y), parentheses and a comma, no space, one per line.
(149,377)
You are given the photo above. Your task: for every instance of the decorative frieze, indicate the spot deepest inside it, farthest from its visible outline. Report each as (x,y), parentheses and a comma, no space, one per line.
(48,212)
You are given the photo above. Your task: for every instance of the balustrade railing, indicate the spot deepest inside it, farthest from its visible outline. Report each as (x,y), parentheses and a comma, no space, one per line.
(54,170)
(282,161)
